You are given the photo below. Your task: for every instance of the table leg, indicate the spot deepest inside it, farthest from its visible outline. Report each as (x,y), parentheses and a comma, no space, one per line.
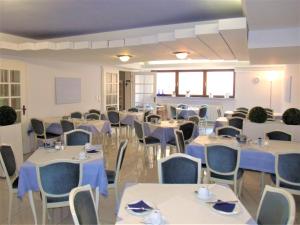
(262,181)
(31,201)
(97,198)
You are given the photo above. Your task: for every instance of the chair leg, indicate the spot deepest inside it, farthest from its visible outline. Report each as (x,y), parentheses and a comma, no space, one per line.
(44,212)
(241,186)
(97,198)
(235,187)
(10,207)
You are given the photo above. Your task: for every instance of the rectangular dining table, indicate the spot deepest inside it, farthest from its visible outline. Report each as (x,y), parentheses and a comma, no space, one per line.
(93,173)
(179,204)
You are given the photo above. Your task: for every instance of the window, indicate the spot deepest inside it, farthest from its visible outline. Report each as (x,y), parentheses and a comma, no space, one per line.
(144,87)
(220,83)
(165,83)
(190,81)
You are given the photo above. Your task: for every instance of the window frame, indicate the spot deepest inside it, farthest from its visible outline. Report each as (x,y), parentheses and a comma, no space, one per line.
(204,81)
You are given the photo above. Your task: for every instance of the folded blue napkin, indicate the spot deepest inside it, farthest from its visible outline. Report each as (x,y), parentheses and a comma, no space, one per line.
(224,206)
(92,151)
(139,207)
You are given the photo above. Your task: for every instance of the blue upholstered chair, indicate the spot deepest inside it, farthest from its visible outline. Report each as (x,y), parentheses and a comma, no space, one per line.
(114,119)
(173,112)
(133,109)
(242,109)
(228,131)
(287,176)
(92,116)
(279,136)
(182,106)
(146,113)
(77,137)
(203,116)
(239,114)
(67,125)
(56,180)
(113,175)
(152,117)
(95,111)
(179,138)
(277,206)
(236,122)
(82,206)
(76,115)
(111,108)
(222,163)
(179,168)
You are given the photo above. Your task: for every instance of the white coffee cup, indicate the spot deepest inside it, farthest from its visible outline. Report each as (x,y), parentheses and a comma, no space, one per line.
(87,146)
(155,217)
(82,155)
(203,193)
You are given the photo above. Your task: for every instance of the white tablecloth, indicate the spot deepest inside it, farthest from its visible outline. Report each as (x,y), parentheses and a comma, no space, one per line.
(179,204)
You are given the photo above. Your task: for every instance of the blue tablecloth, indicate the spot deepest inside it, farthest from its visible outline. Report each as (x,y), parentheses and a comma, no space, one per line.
(93,173)
(250,158)
(95,130)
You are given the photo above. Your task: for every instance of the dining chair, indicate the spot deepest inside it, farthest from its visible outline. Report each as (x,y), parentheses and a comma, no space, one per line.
(113,175)
(179,141)
(236,122)
(146,113)
(239,114)
(179,168)
(152,117)
(195,119)
(203,116)
(92,116)
(82,206)
(279,135)
(56,179)
(146,141)
(114,119)
(76,115)
(95,111)
(182,106)
(9,168)
(228,131)
(67,125)
(287,176)
(133,109)
(277,206)
(111,108)
(242,109)
(77,137)
(187,129)
(222,165)
(41,133)
(173,112)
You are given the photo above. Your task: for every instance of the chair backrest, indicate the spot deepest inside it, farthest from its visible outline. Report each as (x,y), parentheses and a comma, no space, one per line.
(173,112)
(76,115)
(111,108)
(120,157)
(8,163)
(187,130)
(239,114)
(236,122)
(203,112)
(179,141)
(92,116)
(277,206)
(95,111)
(182,106)
(219,112)
(279,135)
(242,109)
(151,117)
(67,125)
(287,167)
(179,168)
(139,130)
(147,113)
(195,119)
(222,159)
(58,178)
(133,109)
(77,137)
(228,131)
(113,116)
(82,206)
(38,126)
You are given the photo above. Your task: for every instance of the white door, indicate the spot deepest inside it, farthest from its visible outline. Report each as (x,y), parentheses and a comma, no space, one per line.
(144,89)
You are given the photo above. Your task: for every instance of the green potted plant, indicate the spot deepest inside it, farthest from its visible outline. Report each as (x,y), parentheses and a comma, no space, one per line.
(291,116)
(258,115)
(8,115)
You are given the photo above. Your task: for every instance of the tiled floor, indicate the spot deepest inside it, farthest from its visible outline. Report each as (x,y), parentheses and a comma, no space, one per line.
(136,168)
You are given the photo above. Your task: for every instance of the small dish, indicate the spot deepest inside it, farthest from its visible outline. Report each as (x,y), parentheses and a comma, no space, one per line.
(227,208)
(140,208)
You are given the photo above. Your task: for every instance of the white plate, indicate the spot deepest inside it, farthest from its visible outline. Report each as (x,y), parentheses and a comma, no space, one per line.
(139,213)
(236,210)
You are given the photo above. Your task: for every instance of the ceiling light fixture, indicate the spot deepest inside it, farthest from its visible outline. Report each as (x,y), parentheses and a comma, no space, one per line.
(181,55)
(124,58)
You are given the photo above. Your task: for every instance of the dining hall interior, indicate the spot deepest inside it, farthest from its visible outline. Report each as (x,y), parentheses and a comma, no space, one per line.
(150,112)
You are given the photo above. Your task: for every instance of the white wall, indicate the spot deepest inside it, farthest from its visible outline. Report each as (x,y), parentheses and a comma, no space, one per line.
(292,93)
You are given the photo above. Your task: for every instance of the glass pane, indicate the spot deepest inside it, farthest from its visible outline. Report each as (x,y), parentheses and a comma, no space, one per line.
(15,76)
(139,88)
(16,103)
(114,88)
(114,77)
(220,83)
(4,101)
(148,98)
(192,82)
(108,88)
(148,88)
(4,90)
(165,82)
(114,99)
(3,76)
(139,97)
(18,117)
(108,78)
(15,90)
(108,99)
(149,79)
(139,79)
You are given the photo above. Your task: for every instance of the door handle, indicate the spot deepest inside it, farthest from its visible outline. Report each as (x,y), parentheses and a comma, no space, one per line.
(24,109)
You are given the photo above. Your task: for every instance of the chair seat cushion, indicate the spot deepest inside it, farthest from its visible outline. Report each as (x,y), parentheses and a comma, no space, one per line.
(117,125)
(284,185)
(110,176)
(172,142)
(60,199)
(49,136)
(15,183)
(228,177)
(150,140)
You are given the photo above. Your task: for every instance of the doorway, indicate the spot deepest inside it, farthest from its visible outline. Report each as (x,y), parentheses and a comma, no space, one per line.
(125,90)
